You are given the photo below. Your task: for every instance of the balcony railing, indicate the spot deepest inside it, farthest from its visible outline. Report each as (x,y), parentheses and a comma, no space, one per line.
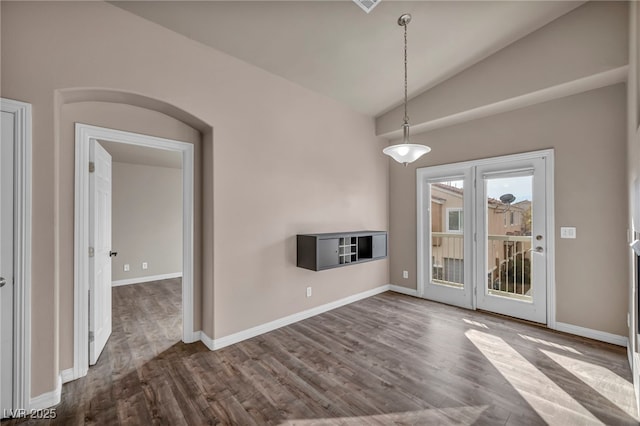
(447,258)
(508,263)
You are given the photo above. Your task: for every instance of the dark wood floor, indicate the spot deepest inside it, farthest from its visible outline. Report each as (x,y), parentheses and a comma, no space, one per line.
(388,359)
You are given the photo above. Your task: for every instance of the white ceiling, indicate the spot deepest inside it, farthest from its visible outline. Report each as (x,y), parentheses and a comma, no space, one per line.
(133,154)
(335,48)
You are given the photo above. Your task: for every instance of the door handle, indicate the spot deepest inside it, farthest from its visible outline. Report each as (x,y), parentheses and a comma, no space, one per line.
(3,281)
(538,249)
(113,253)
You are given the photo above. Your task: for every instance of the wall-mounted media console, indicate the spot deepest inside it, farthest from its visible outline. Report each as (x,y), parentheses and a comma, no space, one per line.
(325,251)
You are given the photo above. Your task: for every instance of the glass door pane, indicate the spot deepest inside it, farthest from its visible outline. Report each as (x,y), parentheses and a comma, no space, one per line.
(508,207)
(447,233)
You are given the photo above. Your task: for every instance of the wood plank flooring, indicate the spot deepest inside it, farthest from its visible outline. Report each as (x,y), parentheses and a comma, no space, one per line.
(388,359)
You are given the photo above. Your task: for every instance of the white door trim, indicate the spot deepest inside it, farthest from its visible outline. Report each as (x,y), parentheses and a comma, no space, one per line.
(84,133)
(446,169)
(22,250)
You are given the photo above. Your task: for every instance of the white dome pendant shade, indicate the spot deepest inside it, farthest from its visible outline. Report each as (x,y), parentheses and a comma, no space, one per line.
(405,152)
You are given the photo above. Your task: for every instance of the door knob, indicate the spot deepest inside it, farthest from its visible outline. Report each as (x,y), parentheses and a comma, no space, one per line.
(3,281)
(113,253)
(538,249)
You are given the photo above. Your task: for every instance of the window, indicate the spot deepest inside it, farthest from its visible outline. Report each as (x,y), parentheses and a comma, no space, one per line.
(454,220)
(509,218)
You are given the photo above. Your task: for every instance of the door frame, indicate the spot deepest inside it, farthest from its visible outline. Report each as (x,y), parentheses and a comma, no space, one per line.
(22,250)
(84,133)
(421,226)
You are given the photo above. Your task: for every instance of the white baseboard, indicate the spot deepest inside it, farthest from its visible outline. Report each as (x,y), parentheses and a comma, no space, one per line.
(404,290)
(195,336)
(201,336)
(47,399)
(146,279)
(208,341)
(67,375)
(592,334)
(215,344)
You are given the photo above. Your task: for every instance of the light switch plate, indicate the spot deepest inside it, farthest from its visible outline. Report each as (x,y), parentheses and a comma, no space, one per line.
(567,232)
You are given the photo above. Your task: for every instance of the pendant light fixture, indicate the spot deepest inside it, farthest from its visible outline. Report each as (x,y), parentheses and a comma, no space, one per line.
(405,152)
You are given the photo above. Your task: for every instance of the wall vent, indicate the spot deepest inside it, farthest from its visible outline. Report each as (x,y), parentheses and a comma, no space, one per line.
(367,5)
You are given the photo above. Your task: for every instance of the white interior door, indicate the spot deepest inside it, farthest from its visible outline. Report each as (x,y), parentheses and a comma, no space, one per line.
(512,239)
(6,264)
(100,250)
(446,202)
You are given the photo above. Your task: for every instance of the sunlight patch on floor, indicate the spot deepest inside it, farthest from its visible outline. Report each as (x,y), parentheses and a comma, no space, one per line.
(604,381)
(476,323)
(550,344)
(552,403)
(450,415)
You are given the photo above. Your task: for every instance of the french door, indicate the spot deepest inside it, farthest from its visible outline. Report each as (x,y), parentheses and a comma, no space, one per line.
(445,203)
(482,234)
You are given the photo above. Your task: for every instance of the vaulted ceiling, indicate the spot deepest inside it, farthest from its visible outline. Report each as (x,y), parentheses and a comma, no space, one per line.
(336,49)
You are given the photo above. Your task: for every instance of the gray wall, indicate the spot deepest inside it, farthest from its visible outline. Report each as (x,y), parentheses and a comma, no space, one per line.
(146,220)
(588,135)
(587,132)
(590,39)
(281,160)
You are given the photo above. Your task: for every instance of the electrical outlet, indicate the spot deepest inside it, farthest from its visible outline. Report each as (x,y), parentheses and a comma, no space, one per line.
(145,265)
(127,268)
(309,292)
(405,274)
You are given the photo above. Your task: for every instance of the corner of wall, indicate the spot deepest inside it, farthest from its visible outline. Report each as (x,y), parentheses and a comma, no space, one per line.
(47,399)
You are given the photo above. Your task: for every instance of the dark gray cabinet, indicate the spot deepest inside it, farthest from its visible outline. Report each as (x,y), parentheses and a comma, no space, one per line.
(324,251)
(328,252)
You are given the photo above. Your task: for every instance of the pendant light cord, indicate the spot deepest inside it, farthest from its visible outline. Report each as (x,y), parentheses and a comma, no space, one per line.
(406,117)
